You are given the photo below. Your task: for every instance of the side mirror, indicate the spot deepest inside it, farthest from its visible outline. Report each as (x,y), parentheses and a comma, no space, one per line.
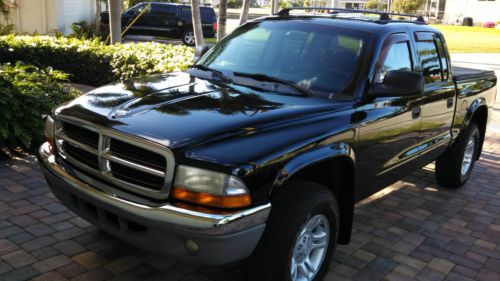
(398,83)
(201,50)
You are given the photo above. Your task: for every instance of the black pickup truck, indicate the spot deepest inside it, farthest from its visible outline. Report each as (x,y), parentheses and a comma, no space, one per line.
(259,151)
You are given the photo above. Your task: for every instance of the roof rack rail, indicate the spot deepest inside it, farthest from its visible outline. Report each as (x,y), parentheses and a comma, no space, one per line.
(384,16)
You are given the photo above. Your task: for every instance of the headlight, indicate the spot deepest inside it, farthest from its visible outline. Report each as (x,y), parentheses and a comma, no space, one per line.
(210,188)
(49,133)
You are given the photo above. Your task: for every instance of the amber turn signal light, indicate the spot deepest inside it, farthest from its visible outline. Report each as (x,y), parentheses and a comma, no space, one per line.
(207,199)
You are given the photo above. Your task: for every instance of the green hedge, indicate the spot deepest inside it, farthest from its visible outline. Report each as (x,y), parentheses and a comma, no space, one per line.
(27,94)
(90,61)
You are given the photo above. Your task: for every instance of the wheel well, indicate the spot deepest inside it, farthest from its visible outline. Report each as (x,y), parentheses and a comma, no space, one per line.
(480,118)
(337,175)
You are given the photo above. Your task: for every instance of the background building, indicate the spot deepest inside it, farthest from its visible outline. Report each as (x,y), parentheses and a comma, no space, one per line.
(479,10)
(432,9)
(47,16)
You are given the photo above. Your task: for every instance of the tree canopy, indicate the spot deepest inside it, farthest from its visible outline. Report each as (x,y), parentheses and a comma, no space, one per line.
(406,6)
(375,4)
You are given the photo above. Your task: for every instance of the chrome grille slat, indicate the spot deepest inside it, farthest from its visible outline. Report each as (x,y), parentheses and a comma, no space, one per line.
(87,137)
(78,163)
(147,179)
(112,157)
(78,144)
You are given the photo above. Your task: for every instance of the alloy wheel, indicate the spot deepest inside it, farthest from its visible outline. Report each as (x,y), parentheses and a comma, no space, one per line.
(310,249)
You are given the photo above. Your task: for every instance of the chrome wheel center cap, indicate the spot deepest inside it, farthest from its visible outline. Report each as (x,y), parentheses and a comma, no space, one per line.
(303,248)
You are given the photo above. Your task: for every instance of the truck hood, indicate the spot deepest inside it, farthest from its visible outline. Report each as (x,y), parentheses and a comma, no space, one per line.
(178,109)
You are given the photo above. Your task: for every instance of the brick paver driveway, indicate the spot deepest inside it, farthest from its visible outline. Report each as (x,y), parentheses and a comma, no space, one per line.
(413,230)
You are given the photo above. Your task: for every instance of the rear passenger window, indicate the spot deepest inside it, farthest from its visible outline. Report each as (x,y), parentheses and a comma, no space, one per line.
(398,58)
(429,57)
(443,57)
(165,10)
(207,14)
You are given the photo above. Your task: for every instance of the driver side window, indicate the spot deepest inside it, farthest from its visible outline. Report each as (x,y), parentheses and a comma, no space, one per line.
(397,58)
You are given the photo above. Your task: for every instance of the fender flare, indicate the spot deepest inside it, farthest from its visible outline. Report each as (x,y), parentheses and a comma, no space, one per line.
(479,102)
(473,107)
(311,158)
(345,196)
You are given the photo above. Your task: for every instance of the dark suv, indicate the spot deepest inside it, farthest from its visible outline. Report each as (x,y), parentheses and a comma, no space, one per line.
(167,19)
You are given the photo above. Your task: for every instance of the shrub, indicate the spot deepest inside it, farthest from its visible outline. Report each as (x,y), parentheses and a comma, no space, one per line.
(6,29)
(81,30)
(27,94)
(86,61)
(234,3)
(90,61)
(489,24)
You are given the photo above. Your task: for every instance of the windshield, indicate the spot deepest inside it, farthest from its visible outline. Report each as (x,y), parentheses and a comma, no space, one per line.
(316,57)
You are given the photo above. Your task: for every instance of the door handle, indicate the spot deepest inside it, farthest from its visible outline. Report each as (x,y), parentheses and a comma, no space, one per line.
(449,102)
(415,112)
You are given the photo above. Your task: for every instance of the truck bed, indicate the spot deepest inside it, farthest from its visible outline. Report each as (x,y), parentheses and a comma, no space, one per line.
(464,73)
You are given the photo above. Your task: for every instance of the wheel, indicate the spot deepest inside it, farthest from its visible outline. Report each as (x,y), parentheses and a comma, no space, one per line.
(454,168)
(188,38)
(300,236)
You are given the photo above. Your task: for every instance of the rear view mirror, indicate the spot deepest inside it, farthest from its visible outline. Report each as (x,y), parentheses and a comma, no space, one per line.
(399,83)
(201,50)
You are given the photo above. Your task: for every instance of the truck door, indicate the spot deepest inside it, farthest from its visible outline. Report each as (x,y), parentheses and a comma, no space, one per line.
(438,101)
(390,135)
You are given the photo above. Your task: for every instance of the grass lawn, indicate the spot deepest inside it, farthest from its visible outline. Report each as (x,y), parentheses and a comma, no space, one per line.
(464,39)
(211,40)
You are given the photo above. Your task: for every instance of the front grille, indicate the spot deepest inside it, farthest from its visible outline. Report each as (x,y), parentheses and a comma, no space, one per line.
(134,176)
(131,163)
(133,153)
(80,155)
(81,134)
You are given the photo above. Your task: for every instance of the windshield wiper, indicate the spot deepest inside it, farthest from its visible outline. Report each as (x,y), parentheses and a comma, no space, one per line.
(267,78)
(213,71)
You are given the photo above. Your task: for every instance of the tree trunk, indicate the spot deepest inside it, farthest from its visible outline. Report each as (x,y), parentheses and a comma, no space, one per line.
(198,31)
(221,21)
(97,17)
(115,21)
(275,7)
(244,11)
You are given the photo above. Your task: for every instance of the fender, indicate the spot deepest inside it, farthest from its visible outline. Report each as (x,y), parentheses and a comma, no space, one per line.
(345,196)
(477,103)
(311,158)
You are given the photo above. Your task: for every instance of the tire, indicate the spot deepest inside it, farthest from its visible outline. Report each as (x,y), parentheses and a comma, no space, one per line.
(188,38)
(296,206)
(450,169)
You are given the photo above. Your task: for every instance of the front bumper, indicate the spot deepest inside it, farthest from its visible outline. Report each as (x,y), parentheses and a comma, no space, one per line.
(166,229)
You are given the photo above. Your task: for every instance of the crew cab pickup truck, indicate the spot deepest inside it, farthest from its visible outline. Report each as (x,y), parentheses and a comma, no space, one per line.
(259,151)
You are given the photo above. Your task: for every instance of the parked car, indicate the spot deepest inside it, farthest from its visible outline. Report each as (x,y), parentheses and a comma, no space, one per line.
(166,19)
(259,151)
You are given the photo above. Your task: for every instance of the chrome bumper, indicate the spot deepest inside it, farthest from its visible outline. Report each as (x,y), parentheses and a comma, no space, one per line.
(167,215)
